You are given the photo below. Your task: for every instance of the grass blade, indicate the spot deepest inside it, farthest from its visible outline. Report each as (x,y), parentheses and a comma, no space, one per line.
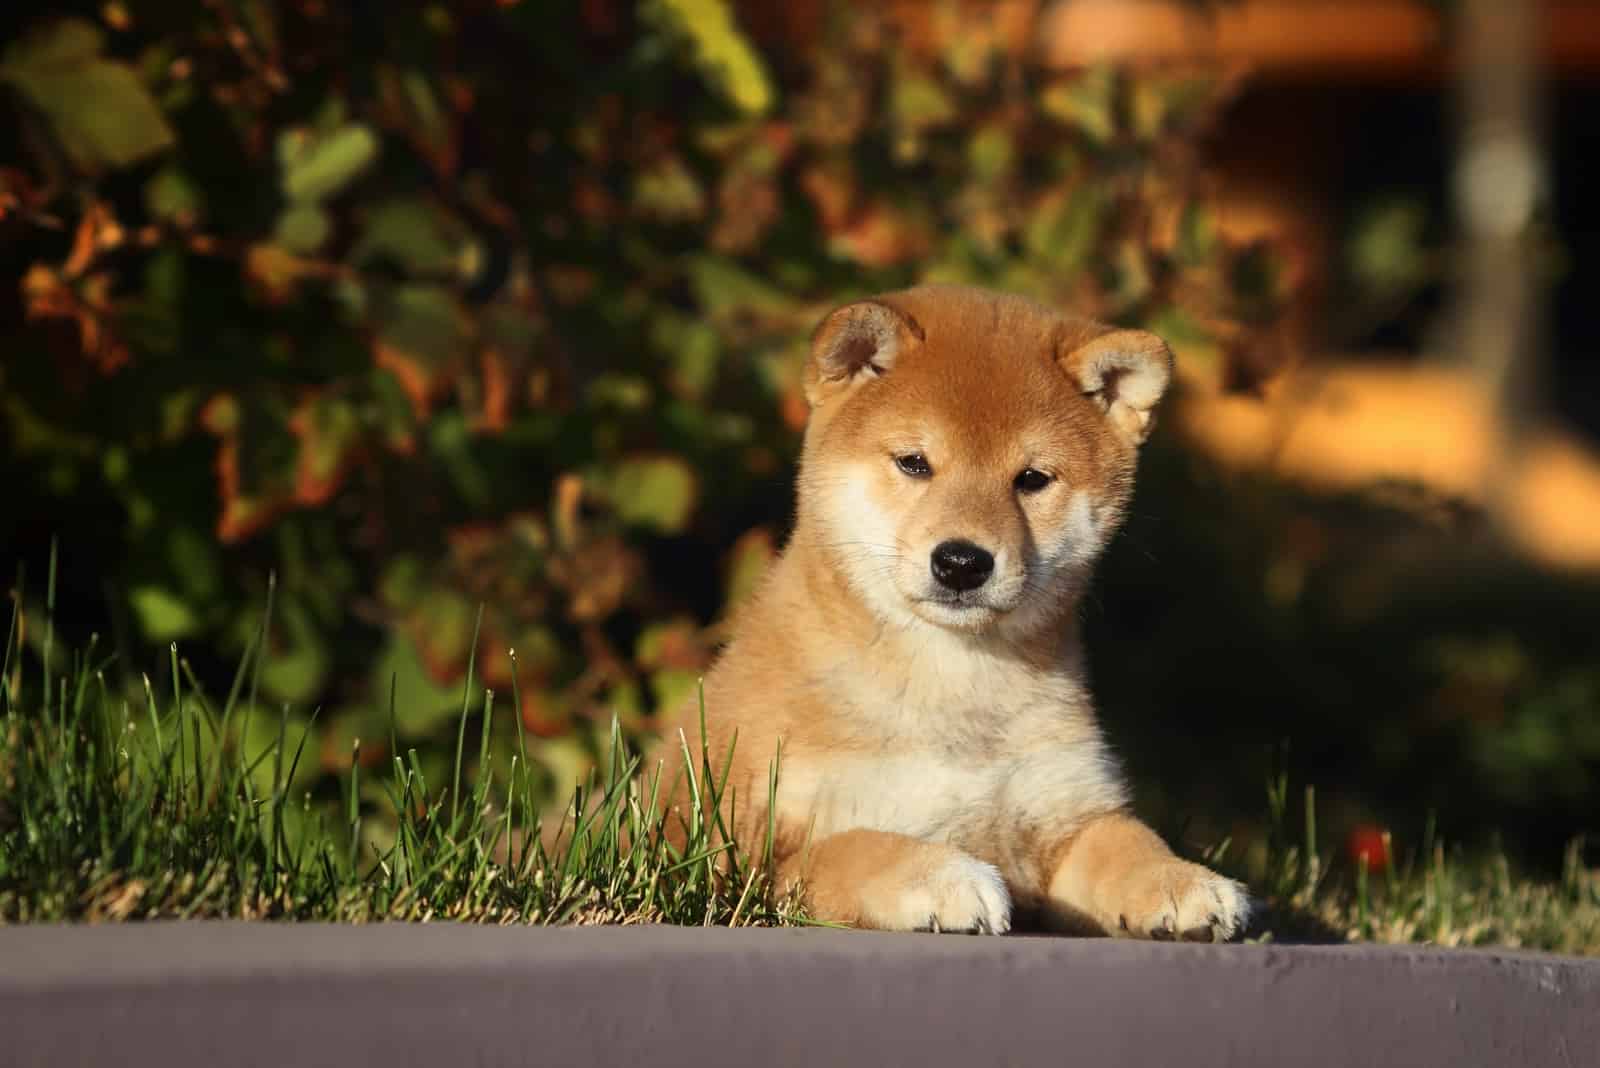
(461,733)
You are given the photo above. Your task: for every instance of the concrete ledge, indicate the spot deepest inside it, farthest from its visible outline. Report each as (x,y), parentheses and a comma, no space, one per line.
(174,994)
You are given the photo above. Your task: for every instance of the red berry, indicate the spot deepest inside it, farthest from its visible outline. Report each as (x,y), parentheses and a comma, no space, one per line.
(1368,841)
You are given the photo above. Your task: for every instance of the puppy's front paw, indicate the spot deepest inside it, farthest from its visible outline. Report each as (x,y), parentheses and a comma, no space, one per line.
(1174,899)
(960,894)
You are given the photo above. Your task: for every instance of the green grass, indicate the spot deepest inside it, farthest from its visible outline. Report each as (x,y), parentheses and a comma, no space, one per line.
(1438,895)
(119,809)
(116,810)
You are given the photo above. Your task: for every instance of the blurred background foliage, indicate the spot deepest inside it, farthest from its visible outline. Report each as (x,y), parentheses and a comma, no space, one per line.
(427,307)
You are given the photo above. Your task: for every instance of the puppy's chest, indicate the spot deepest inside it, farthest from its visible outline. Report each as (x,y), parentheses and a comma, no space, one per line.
(922,794)
(946,747)
(972,797)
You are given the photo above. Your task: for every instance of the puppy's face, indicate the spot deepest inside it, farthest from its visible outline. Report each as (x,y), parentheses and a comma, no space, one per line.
(969,454)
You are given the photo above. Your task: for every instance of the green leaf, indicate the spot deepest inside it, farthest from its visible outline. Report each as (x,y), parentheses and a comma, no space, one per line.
(63,42)
(1063,234)
(918,101)
(720,50)
(991,153)
(671,686)
(192,556)
(444,624)
(625,702)
(98,109)
(344,726)
(256,467)
(668,193)
(1127,277)
(424,322)
(169,194)
(722,286)
(1163,105)
(656,644)
(695,350)
(538,650)
(262,729)
(317,168)
(329,430)
(414,233)
(303,227)
(400,584)
(657,492)
(430,120)
(625,393)
(396,420)
(1087,103)
(450,441)
(420,704)
(162,614)
(1386,250)
(1197,235)
(297,664)
(568,761)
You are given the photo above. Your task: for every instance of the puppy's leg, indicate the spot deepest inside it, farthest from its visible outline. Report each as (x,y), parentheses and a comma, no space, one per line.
(897,883)
(1119,874)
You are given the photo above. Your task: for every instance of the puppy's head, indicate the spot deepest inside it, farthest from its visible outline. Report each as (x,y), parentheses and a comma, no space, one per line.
(969,454)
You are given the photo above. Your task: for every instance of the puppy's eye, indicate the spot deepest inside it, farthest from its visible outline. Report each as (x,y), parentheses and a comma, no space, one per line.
(914,464)
(1031,481)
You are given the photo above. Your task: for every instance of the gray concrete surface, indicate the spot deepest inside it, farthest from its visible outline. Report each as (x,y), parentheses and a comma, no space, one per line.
(276,994)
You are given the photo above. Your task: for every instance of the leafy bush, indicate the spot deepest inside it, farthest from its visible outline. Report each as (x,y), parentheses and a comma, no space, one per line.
(433,307)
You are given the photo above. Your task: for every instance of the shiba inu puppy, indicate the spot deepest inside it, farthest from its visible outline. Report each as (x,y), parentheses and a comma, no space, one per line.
(915,649)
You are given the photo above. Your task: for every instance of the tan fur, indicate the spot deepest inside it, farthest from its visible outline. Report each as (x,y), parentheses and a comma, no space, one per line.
(941,763)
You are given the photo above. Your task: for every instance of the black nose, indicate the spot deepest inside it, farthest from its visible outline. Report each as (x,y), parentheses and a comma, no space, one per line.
(961,565)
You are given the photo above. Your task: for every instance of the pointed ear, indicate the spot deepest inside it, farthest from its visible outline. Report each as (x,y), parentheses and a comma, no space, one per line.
(856,341)
(1124,372)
